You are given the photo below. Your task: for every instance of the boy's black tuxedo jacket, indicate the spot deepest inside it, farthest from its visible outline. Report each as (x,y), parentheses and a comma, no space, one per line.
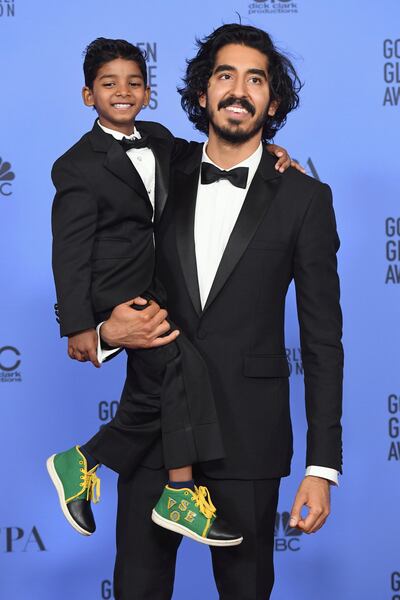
(286,230)
(103,251)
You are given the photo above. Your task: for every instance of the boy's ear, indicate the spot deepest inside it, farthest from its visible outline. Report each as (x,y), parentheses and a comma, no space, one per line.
(147,94)
(87,96)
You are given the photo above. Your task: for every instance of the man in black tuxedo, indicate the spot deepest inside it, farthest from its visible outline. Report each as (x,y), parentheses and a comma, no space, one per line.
(233,236)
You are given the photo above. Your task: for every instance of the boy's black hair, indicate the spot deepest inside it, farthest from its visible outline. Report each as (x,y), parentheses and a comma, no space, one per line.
(103,50)
(284,83)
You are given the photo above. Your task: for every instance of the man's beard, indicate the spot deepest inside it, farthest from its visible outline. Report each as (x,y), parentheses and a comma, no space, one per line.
(234,135)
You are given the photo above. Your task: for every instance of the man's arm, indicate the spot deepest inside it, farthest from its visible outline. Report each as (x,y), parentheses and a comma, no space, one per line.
(74,217)
(129,328)
(317,292)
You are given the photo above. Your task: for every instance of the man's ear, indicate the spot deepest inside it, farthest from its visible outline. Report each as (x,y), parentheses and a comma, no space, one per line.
(273,107)
(87,96)
(203,100)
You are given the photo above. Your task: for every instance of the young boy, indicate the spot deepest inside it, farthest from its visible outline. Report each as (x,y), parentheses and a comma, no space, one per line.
(108,187)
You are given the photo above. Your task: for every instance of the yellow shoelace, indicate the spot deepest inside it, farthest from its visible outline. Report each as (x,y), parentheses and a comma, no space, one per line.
(91,483)
(202,499)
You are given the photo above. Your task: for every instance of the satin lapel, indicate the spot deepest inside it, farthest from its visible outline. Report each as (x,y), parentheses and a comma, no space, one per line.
(162,155)
(258,200)
(185,190)
(120,165)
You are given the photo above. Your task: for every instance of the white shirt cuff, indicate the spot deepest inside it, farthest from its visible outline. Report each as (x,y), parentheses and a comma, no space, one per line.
(102,354)
(331,474)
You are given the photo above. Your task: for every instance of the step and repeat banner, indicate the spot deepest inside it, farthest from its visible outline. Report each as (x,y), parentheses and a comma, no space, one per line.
(346,132)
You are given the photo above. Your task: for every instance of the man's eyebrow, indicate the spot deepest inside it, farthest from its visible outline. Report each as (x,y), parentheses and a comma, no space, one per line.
(253,71)
(260,72)
(224,68)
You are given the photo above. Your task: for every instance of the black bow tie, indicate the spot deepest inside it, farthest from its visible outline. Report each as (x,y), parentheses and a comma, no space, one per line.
(211,173)
(127,144)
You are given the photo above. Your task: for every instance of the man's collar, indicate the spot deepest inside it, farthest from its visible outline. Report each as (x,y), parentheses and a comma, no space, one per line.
(251,161)
(191,162)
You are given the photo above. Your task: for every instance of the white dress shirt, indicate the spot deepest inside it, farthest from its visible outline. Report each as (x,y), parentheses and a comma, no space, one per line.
(217,208)
(142,159)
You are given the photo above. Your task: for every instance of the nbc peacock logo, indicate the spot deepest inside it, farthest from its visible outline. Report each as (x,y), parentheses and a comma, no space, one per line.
(6,177)
(286,537)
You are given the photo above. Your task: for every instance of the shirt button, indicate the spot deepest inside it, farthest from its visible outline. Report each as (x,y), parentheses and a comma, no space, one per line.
(139,158)
(201,334)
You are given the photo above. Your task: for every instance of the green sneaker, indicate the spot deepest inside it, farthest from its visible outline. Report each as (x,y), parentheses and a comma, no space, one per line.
(76,488)
(191,513)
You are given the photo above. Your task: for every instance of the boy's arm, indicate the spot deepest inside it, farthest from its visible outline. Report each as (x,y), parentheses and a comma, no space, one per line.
(74,217)
(284,161)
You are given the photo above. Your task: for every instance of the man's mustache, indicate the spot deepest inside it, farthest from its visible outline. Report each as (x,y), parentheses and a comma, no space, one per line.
(239,101)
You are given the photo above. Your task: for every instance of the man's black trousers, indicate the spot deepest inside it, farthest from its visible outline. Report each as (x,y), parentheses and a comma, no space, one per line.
(146,553)
(167,392)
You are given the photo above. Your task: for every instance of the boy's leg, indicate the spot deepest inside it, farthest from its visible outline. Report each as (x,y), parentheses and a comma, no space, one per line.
(146,554)
(167,389)
(188,413)
(175,378)
(121,445)
(168,386)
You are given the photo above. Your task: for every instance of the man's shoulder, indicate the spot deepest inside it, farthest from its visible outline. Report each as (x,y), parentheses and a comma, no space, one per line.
(304,185)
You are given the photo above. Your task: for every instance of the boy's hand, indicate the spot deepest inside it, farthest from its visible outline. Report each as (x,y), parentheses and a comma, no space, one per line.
(284,161)
(82,346)
(131,328)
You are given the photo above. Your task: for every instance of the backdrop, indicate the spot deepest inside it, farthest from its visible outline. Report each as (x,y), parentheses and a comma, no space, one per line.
(346,132)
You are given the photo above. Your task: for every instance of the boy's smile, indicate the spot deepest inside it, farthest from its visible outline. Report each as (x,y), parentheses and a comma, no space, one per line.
(118,94)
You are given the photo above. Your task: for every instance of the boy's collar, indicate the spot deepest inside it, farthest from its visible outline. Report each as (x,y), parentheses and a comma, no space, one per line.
(118,135)
(99,139)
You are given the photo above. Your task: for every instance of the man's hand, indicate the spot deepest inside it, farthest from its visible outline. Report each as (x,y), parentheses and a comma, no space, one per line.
(314,492)
(132,328)
(82,346)
(284,161)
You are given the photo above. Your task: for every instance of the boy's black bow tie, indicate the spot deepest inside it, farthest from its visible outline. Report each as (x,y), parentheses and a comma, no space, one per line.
(211,173)
(127,144)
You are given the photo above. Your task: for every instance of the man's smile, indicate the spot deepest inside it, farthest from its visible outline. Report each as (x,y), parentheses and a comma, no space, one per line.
(236,112)
(237,109)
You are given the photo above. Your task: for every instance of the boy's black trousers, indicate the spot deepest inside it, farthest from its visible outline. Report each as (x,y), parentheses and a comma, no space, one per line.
(167,392)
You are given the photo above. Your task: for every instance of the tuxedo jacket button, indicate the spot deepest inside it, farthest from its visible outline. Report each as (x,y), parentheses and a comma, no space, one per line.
(201,334)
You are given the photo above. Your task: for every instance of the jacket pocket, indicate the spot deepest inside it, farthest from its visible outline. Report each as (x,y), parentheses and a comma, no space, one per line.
(269,245)
(265,365)
(111,248)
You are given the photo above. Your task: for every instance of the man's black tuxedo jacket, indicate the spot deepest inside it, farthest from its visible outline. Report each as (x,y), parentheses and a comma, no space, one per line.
(286,230)
(103,250)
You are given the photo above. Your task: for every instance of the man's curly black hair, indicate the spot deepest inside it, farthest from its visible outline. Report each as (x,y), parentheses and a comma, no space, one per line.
(284,83)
